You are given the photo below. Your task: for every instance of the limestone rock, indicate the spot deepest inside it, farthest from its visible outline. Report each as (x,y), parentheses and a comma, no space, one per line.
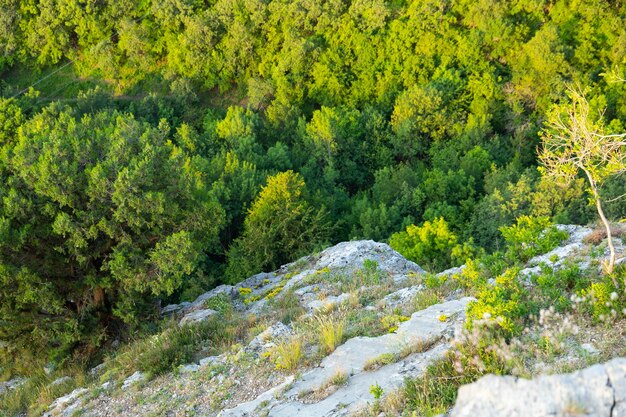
(197,316)
(133,379)
(268,338)
(67,405)
(60,381)
(597,391)
(351,255)
(571,246)
(189,368)
(402,296)
(327,302)
(425,329)
(11,384)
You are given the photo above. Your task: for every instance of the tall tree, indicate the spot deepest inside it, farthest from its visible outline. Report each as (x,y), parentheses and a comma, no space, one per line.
(281,225)
(99,216)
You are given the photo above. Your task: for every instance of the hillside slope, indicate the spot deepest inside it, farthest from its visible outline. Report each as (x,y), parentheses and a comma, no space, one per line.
(332,334)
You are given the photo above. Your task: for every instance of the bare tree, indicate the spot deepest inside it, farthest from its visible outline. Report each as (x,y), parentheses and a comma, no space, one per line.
(575,141)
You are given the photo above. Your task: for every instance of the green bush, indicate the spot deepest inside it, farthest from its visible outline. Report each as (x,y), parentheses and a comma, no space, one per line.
(554,286)
(100,215)
(531,236)
(280,226)
(503,302)
(602,300)
(433,245)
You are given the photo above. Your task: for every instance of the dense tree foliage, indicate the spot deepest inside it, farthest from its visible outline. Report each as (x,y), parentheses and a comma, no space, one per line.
(191,143)
(100,215)
(280,224)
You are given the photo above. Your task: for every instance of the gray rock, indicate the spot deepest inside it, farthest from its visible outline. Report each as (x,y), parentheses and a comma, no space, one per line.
(197,316)
(402,296)
(452,271)
(351,358)
(351,255)
(133,379)
(60,381)
(209,360)
(327,302)
(11,384)
(597,391)
(97,370)
(589,348)
(66,405)
(200,302)
(571,246)
(189,368)
(173,308)
(268,337)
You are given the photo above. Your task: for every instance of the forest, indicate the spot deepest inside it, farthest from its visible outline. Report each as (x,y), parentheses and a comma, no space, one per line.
(151,150)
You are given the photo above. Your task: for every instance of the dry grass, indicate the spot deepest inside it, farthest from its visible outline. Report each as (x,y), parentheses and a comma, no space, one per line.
(380,361)
(333,383)
(598,234)
(331,330)
(287,355)
(419,346)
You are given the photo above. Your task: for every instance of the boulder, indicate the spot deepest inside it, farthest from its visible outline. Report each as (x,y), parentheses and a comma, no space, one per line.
(597,391)
(11,384)
(197,316)
(268,338)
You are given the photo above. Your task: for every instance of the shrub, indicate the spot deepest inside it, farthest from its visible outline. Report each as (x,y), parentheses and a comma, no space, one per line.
(392,322)
(555,285)
(90,239)
(602,299)
(503,302)
(472,277)
(280,225)
(220,303)
(531,236)
(432,245)
(174,346)
(380,360)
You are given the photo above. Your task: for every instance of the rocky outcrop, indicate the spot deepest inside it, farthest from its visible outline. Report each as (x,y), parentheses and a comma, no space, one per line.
(344,258)
(363,361)
(597,391)
(67,405)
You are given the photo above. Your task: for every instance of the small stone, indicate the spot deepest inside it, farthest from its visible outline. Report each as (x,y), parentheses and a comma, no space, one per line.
(11,384)
(197,316)
(97,370)
(133,379)
(192,367)
(589,348)
(209,360)
(60,381)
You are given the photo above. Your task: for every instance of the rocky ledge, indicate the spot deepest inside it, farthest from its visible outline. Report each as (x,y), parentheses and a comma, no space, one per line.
(597,391)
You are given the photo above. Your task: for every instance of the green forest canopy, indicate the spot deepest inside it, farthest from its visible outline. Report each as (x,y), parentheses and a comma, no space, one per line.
(141,167)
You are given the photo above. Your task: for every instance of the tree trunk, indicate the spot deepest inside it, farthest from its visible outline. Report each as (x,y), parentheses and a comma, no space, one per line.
(98,296)
(611,264)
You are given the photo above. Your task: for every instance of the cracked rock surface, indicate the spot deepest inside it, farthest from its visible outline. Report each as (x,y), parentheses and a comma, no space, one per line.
(352,358)
(597,391)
